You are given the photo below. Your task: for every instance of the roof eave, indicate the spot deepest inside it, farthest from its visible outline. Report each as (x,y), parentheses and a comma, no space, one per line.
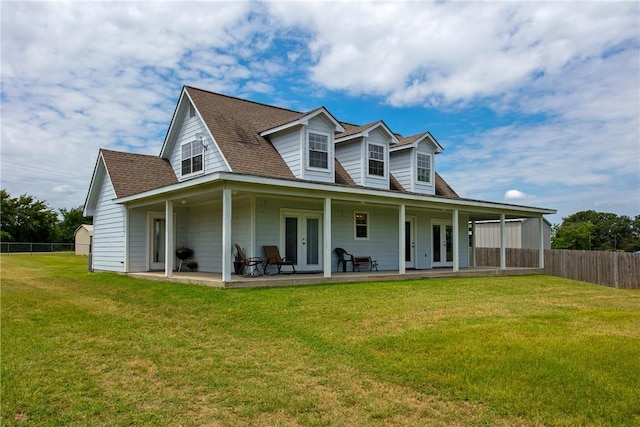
(346,191)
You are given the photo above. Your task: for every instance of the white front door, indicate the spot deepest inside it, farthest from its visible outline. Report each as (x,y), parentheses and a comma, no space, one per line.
(301,238)
(157,237)
(442,240)
(409,242)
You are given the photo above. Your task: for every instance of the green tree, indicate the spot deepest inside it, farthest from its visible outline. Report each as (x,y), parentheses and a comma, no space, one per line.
(71,220)
(25,219)
(602,231)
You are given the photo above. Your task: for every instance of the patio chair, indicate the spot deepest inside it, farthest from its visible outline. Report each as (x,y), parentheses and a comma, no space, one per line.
(342,258)
(250,264)
(273,258)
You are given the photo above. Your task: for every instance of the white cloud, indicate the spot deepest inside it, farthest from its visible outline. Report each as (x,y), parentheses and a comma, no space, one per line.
(563,80)
(515,195)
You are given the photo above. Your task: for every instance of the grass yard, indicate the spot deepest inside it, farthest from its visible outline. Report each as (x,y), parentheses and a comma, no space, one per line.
(83,348)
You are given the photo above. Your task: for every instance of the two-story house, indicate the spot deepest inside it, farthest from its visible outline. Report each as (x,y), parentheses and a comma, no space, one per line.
(233,171)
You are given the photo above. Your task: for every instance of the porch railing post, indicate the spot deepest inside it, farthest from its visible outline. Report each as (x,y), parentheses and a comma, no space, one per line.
(226,235)
(503,244)
(456,241)
(327,237)
(168,239)
(541,251)
(402,240)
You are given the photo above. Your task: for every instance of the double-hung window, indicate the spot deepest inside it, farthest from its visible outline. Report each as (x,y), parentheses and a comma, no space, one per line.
(361,222)
(376,160)
(192,158)
(318,150)
(424,168)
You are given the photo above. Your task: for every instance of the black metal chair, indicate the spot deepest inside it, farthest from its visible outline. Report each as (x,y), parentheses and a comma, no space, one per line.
(342,258)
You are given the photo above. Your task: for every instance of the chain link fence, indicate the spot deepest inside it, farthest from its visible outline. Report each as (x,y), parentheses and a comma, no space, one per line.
(16,247)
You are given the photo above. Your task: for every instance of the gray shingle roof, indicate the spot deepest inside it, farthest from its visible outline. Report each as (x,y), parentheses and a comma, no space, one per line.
(236,125)
(135,173)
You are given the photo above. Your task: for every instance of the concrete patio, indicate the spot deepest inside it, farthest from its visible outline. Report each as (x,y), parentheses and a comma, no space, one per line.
(305,279)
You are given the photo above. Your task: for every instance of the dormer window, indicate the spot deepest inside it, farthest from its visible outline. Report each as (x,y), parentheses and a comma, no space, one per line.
(318,150)
(192,158)
(376,160)
(424,168)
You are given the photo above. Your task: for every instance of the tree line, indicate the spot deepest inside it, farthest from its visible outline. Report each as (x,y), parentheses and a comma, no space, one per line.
(597,231)
(26,219)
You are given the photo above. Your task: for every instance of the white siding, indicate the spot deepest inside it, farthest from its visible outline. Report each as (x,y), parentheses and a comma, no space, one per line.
(189,127)
(374,181)
(289,145)
(419,186)
(404,166)
(205,236)
(382,244)
(138,240)
(108,231)
(350,156)
(401,167)
(242,225)
(320,125)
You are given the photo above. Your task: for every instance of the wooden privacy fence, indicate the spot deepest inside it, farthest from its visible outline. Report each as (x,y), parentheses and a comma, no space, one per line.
(616,269)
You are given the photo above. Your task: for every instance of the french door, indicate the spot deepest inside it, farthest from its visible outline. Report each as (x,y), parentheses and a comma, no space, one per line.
(409,242)
(301,239)
(442,240)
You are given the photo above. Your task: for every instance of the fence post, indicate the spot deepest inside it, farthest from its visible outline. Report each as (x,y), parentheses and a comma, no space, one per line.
(615,270)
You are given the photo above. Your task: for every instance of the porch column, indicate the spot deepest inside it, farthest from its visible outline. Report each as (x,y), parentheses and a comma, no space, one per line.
(402,240)
(503,250)
(126,239)
(226,235)
(473,243)
(541,252)
(169,255)
(456,241)
(327,237)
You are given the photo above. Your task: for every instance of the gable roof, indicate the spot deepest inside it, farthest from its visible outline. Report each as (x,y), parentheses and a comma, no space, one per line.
(354,131)
(304,120)
(414,140)
(134,173)
(236,125)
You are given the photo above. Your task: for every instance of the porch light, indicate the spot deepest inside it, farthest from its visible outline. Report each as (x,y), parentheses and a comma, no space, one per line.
(183,201)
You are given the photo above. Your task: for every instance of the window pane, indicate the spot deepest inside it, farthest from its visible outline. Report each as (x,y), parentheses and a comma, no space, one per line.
(361,225)
(318,159)
(376,160)
(313,234)
(376,168)
(197,163)
(186,167)
(424,168)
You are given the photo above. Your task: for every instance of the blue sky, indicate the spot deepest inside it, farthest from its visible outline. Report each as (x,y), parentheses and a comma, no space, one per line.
(534,103)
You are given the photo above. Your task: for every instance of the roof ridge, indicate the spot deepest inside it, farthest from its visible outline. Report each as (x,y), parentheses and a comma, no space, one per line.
(262,104)
(127,152)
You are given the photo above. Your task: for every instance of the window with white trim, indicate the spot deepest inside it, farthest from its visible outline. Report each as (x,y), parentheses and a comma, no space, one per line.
(318,151)
(376,160)
(424,168)
(361,225)
(192,158)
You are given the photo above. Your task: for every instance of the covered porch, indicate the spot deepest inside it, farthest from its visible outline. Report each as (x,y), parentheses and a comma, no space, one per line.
(408,235)
(308,279)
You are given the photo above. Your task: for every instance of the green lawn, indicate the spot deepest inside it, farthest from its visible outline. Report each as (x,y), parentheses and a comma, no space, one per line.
(83,348)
